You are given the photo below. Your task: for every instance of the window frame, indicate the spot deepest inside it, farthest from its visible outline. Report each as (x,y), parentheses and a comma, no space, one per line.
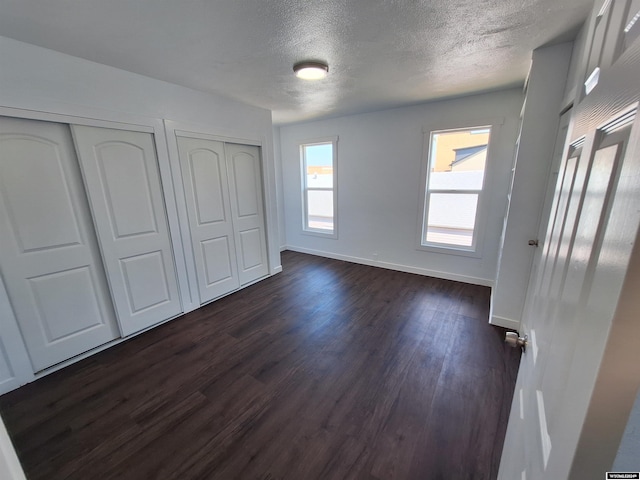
(476,247)
(333,140)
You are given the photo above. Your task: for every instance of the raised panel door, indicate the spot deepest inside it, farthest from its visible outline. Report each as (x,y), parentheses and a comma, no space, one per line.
(49,256)
(204,175)
(247,209)
(549,402)
(121,173)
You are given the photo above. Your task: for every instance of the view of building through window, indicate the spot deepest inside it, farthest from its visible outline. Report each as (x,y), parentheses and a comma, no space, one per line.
(318,167)
(455,178)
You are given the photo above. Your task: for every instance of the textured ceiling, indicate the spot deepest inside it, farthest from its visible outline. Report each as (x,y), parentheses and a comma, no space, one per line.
(380,53)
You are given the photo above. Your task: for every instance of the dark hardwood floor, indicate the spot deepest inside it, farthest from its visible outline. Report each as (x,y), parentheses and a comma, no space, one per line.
(329,370)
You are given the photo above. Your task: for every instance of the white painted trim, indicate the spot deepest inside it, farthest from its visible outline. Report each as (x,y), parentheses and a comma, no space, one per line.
(504,322)
(198,130)
(319,233)
(133,123)
(395,266)
(461,125)
(187,254)
(477,249)
(333,140)
(216,138)
(173,218)
(320,140)
(277,269)
(10,468)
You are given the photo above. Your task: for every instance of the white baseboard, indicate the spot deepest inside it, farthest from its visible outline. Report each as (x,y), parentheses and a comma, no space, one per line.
(505,322)
(395,266)
(277,269)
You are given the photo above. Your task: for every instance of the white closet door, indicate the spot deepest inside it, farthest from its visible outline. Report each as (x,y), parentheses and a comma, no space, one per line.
(204,175)
(120,170)
(49,256)
(245,188)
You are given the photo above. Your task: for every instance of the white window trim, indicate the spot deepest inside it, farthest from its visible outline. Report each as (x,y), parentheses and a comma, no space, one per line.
(476,248)
(303,184)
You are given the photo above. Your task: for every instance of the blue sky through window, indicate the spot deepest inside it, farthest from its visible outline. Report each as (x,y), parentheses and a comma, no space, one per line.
(319,155)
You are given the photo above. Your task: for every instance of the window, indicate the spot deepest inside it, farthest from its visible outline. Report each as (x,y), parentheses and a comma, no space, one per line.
(454,181)
(319,170)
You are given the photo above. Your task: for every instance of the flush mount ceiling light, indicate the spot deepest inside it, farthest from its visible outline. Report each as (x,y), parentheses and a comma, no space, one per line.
(311,70)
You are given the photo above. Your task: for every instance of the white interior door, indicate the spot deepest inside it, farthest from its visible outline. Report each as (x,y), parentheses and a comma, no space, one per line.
(49,256)
(204,175)
(120,170)
(245,188)
(546,416)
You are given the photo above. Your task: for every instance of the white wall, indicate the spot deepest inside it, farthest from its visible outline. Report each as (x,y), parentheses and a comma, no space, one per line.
(35,78)
(379,160)
(279,189)
(40,79)
(535,158)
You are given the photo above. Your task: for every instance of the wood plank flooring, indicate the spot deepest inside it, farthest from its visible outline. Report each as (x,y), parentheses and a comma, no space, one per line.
(329,370)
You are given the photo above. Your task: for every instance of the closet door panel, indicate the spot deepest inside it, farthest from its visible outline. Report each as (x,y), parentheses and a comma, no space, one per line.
(146,281)
(246,175)
(216,255)
(251,247)
(245,186)
(60,317)
(205,180)
(125,182)
(120,169)
(49,256)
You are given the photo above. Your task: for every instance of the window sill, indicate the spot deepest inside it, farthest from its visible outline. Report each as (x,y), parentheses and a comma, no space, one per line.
(319,233)
(450,250)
